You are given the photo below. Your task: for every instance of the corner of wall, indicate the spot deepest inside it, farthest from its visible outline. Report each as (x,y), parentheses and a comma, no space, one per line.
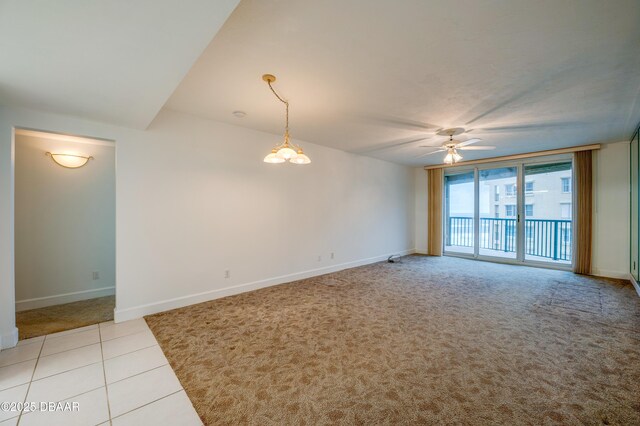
(9,340)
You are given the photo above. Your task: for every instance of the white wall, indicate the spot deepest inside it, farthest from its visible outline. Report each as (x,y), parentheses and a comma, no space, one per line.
(194,199)
(611,211)
(64,222)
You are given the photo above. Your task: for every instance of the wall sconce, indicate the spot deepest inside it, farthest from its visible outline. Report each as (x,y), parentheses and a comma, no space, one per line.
(70,161)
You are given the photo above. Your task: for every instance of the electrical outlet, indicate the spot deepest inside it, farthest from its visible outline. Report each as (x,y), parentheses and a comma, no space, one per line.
(96,275)
(332,256)
(319,258)
(227,274)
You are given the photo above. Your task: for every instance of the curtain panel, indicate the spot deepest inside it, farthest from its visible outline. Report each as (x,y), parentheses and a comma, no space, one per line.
(435,177)
(583,172)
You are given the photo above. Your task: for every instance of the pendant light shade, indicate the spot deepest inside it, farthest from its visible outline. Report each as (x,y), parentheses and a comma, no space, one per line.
(286,151)
(300,158)
(452,156)
(273,158)
(448,159)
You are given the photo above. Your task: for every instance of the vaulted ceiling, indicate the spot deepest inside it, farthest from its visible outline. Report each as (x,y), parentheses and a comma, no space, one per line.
(374,77)
(111,61)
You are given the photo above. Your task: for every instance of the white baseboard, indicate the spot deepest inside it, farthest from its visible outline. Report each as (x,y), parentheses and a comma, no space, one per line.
(179,302)
(635,283)
(9,340)
(59,299)
(610,274)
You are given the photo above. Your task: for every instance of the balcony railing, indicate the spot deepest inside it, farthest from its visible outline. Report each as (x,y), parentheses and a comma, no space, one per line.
(550,239)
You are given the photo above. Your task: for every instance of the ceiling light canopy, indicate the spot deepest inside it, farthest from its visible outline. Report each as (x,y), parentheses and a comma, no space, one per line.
(286,151)
(70,161)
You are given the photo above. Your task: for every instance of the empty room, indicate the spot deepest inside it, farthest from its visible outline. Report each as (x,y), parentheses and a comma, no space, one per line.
(278,212)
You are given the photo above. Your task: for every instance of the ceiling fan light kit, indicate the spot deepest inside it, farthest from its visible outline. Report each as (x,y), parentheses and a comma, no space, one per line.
(286,151)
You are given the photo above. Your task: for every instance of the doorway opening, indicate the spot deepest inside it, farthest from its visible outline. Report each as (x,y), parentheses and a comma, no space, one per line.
(64,232)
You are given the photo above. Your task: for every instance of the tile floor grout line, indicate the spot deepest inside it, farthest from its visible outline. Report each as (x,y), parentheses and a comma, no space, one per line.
(137,350)
(18,345)
(18,362)
(142,372)
(15,386)
(66,371)
(33,373)
(127,353)
(75,396)
(151,402)
(104,376)
(72,331)
(67,350)
(127,335)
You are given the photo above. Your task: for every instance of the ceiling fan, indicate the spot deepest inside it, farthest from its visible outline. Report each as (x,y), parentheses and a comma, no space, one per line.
(452,146)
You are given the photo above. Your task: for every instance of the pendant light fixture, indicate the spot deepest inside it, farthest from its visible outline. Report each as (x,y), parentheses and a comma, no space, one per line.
(286,151)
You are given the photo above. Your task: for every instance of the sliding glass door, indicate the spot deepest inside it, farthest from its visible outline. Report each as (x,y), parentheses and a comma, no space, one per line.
(548,212)
(459,231)
(516,212)
(498,200)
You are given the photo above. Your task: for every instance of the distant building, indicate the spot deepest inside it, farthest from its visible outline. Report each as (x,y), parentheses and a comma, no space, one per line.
(547,196)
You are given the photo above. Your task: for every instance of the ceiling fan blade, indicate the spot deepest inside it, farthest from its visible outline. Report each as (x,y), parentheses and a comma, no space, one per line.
(530,127)
(392,144)
(396,122)
(476,148)
(432,146)
(429,153)
(468,142)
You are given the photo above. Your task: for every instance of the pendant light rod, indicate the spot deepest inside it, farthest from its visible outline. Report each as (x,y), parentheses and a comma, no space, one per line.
(269,78)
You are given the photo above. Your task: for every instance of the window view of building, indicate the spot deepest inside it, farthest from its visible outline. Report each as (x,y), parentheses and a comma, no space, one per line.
(550,194)
(528,210)
(510,190)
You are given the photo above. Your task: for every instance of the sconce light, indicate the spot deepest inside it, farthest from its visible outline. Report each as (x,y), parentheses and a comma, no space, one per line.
(70,161)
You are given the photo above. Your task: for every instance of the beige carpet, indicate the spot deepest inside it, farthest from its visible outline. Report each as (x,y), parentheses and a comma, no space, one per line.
(52,319)
(427,341)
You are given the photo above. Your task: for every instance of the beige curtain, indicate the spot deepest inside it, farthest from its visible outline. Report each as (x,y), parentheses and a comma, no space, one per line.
(434,247)
(583,169)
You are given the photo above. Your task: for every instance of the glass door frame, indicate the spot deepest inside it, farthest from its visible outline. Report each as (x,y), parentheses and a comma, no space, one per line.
(520,203)
(519,257)
(456,171)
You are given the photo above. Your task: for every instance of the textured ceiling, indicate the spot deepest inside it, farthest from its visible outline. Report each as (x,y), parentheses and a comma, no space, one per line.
(372,76)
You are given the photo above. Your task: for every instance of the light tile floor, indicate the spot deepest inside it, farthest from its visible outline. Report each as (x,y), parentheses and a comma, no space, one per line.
(116,373)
